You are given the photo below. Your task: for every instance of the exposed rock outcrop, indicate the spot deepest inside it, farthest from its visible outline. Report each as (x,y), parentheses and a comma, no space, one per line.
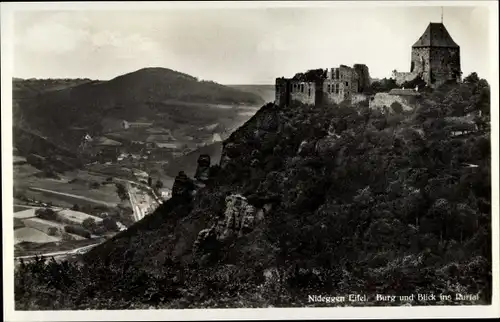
(240,218)
(183,185)
(203,169)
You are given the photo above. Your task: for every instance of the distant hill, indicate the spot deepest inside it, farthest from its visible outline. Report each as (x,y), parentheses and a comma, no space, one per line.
(32,87)
(266,92)
(53,107)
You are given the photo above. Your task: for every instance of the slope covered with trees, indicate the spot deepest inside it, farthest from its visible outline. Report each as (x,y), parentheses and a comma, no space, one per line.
(356,202)
(143,94)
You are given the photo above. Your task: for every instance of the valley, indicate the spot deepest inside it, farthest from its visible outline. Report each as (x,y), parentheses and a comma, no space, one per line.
(115,163)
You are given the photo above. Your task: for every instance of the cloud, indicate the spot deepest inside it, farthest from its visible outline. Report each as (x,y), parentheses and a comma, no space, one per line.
(232,45)
(122,46)
(51,37)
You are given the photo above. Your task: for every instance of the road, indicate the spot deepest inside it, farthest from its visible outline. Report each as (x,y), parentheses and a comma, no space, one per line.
(138,215)
(141,206)
(130,182)
(142,203)
(109,204)
(64,253)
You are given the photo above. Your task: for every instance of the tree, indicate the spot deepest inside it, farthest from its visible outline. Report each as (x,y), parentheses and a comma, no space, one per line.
(159,184)
(384,85)
(121,191)
(46,213)
(77,230)
(89,224)
(397,107)
(95,185)
(110,224)
(472,78)
(52,231)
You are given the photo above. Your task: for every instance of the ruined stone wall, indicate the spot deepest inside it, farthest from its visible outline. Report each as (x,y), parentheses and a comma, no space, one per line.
(420,58)
(282,89)
(359,97)
(341,84)
(364,77)
(385,100)
(304,92)
(402,77)
(437,65)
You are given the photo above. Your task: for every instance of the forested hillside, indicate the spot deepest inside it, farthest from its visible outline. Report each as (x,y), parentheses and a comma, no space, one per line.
(308,200)
(55,107)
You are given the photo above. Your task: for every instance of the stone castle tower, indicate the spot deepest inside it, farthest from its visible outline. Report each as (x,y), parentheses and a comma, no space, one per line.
(435,56)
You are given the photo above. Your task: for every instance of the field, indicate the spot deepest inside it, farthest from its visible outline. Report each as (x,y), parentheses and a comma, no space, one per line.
(42,225)
(31,248)
(76,187)
(28,234)
(156,170)
(25,214)
(18,223)
(31,232)
(111,170)
(19,208)
(76,217)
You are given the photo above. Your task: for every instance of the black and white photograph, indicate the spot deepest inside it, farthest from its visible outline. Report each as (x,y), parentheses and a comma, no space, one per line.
(256,157)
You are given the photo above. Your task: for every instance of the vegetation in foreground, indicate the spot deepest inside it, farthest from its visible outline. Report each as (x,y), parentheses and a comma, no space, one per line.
(362,202)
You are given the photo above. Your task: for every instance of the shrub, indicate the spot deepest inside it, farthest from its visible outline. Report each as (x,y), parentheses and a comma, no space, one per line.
(46,213)
(159,184)
(110,224)
(77,230)
(95,185)
(397,107)
(121,191)
(52,231)
(89,224)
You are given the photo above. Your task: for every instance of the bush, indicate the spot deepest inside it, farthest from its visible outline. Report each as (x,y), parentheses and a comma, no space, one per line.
(20,196)
(110,224)
(77,230)
(121,191)
(52,231)
(397,107)
(159,184)
(46,213)
(95,185)
(89,224)
(384,85)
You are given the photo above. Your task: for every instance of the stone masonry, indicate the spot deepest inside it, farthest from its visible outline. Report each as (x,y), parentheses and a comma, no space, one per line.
(337,85)
(435,57)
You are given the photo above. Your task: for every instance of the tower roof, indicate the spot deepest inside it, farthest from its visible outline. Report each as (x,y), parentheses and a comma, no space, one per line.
(435,35)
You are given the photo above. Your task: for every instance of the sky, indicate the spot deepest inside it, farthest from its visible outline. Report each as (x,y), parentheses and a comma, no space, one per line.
(238,45)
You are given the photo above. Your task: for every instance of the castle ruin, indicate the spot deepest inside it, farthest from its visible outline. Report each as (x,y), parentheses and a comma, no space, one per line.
(332,85)
(435,58)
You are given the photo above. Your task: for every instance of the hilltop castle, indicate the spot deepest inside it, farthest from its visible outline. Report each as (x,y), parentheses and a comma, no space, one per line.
(435,58)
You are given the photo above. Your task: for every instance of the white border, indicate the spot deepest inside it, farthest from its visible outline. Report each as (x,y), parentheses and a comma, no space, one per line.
(224,314)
